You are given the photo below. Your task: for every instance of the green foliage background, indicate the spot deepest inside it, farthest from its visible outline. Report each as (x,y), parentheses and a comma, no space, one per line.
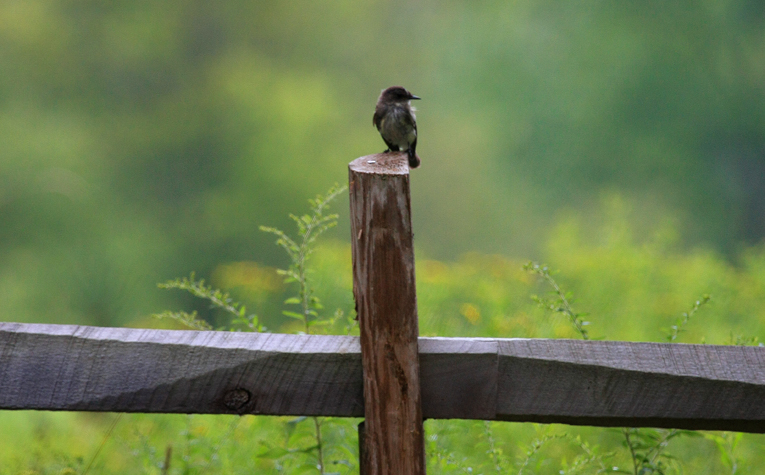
(621,142)
(141,140)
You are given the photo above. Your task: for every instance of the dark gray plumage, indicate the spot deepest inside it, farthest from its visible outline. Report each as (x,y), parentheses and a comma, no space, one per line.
(394,118)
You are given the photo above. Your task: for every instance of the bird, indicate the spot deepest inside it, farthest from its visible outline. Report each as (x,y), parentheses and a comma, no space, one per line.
(395,120)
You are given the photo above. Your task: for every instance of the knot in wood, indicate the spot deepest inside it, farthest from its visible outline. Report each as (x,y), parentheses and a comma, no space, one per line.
(236,398)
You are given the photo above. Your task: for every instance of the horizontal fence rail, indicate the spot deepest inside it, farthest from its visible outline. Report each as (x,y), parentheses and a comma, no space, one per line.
(602,383)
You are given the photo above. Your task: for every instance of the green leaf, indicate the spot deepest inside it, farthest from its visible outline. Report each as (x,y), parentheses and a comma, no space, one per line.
(292,315)
(320,322)
(305,468)
(272,453)
(297,420)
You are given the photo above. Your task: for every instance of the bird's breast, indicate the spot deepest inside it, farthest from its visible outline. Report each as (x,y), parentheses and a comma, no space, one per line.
(397,127)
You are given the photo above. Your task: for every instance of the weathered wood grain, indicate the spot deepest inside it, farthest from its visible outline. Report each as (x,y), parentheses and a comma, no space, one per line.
(610,383)
(458,376)
(131,370)
(602,383)
(77,368)
(386,303)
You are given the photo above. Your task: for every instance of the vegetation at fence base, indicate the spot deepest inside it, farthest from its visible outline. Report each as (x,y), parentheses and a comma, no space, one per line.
(647,447)
(299,249)
(649,291)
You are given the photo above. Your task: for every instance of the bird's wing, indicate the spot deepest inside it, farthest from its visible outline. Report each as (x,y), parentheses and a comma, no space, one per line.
(409,124)
(409,121)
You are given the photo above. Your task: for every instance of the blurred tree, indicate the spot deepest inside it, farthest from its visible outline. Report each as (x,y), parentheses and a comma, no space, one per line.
(141,141)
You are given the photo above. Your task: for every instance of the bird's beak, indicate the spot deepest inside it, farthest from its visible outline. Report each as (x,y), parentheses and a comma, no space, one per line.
(414,98)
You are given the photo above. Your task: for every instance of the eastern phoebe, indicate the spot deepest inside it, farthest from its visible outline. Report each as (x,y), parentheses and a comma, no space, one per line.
(394,118)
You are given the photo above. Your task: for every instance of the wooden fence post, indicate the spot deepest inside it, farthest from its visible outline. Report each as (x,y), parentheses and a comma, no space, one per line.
(386,304)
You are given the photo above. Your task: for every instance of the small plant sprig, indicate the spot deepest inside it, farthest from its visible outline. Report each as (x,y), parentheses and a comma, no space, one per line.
(679,326)
(217,298)
(648,448)
(561,303)
(590,457)
(741,340)
(496,453)
(309,228)
(726,443)
(536,446)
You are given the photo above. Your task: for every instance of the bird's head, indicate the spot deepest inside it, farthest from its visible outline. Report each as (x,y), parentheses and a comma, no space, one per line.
(396,94)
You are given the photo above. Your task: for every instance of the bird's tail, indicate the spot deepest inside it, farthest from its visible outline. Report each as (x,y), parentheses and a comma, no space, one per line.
(414,159)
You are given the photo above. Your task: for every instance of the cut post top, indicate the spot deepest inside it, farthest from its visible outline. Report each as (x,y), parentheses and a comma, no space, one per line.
(390,163)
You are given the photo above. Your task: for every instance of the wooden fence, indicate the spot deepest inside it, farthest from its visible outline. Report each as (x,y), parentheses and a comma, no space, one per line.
(388,375)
